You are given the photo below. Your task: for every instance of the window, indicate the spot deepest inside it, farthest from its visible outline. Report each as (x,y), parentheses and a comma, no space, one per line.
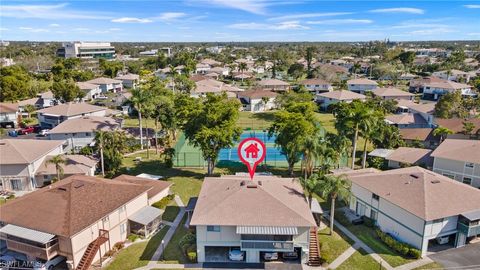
(374,215)
(449,175)
(123,228)
(467,180)
(469,165)
(88,134)
(213,228)
(375,196)
(360,209)
(16,184)
(440,220)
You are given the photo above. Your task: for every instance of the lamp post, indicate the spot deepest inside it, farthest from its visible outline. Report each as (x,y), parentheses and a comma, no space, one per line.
(163,250)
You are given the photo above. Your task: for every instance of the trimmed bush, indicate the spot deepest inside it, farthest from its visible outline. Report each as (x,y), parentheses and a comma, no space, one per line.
(187,240)
(368,222)
(118,246)
(402,248)
(192,256)
(162,204)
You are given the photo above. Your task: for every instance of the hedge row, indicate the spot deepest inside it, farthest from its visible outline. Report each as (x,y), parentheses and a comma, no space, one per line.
(402,248)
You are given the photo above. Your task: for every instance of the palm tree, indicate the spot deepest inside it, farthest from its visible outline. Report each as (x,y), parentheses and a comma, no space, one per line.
(58,161)
(339,143)
(468,127)
(334,186)
(138,98)
(311,152)
(356,67)
(310,185)
(360,116)
(99,138)
(442,132)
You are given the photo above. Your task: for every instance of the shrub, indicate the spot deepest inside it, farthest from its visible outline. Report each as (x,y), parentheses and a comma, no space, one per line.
(187,240)
(401,248)
(340,217)
(368,222)
(162,204)
(118,246)
(192,256)
(132,237)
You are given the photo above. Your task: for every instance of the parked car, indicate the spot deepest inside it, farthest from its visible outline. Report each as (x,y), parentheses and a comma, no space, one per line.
(290,255)
(48,265)
(270,256)
(26,130)
(442,240)
(43,132)
(101,97)
(13,133)
(37,129)
(13,259)
(235,255)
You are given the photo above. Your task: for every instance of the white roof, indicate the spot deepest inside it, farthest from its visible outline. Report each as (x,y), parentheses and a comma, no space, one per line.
(146,215)
(380,152)
(150,176)
(26,233)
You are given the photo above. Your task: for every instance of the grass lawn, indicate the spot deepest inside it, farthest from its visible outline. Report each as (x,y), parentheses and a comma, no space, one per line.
(331,246)
(433,265)
(171,211)
(256,121)
(137,255)
(369,237)
(173,253)
(327,120)
(360,260)
(133,122)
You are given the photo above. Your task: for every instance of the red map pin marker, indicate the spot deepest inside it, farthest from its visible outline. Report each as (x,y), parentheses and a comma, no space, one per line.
(252,152)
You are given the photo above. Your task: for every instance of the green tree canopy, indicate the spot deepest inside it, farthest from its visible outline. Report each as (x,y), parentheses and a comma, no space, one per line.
(67,91)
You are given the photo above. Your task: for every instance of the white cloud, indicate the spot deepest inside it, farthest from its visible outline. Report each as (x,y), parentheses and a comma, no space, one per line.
(4,29)
(252,6)
(81,29)
(114,29)
(51,12)
(170,16)
(399,10)
(430,31)
(263,26)
(308,15)
(341,21)
(471,6)
(131,20)
(54,25)
(33,30)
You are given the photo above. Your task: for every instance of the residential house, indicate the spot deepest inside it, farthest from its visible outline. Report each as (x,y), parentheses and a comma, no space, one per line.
(269,214)
(329,98)
(257,100)
(407,120)
(456,125)
(129,80)
(408,156)
(392,93)
(425,110)
(421,135)
(108,84)
(159,188)
(74,164)
(202,68)
(52,116)
(80,218)
(433,88)
(25,157)
(361,85)
(42,100)
(8,115)
(317,86)
(417,206)
(80,132)
(453,75)
(205,85)
(92,91)
(459,160)
(274,85)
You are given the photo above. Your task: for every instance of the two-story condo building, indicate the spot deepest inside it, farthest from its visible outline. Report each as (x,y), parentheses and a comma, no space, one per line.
(80,218)
(418,206)
(459,160)
(435,90)
(274,85)
(268,214)
(107,84)
(258,100)
(392,93)
(53,116)
(80,132)
(317,85)
(8,115)
(361,85)
(333,97)
(129,80)
(92,91)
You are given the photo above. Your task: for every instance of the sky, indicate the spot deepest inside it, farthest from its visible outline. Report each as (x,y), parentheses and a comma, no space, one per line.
(239,20)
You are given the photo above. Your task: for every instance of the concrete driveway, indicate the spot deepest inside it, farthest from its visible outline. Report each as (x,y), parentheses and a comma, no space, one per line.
(468,256)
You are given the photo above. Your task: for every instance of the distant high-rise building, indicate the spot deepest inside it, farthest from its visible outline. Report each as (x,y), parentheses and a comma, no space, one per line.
(86,50)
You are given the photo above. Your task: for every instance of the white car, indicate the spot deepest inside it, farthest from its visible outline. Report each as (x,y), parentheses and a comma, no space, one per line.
(101,97)
(270,256)
(235,255)
(48,265)
(43,132)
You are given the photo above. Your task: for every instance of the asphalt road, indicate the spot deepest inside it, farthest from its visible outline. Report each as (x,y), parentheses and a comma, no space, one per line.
(467,256)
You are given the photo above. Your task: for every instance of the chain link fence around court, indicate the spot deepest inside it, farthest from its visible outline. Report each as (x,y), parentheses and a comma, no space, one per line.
(187,155)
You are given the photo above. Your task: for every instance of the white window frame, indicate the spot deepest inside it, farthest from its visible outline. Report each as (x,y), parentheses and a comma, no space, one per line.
(213,228)
(469,165)
(123,228)
(468,180)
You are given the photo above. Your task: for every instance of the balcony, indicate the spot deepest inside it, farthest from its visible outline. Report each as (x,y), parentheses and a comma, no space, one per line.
(283,246)
(46,253)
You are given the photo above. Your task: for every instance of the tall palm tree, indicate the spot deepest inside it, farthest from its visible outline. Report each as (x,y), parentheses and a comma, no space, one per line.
(57,161)
(442,132)
(339,143)
(311,152)
(310,185)
(360,116)
(138,99)
(99,140)
(334,186)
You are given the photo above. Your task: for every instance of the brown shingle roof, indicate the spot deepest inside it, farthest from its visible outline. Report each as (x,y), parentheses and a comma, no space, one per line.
(456,124)
(462,150)
(273,82)
(71,109)
(342,95)
(70,205)
(8,107)
(75,164)
(425,194)
(24,151)
(362,81)
(103,80)
(274,202)
(406,119)
(86,124)
(409,155)
(156,186)
(391,92)
(421,134)
(314,82)
(258,93)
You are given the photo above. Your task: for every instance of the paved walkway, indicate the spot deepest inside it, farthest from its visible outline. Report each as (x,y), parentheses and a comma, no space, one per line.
(414,264)
(344,256)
